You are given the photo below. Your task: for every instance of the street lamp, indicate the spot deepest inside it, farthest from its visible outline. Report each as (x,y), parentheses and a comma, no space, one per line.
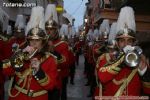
(85,20)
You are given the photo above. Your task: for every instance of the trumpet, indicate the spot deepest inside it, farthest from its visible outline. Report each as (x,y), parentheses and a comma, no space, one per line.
(132,55)
(19,57)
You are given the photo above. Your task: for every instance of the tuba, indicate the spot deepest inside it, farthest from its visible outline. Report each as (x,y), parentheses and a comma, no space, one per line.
(132,55)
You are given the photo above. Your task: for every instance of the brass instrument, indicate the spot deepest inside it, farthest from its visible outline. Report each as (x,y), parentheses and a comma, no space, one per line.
(132,55)
(19,57)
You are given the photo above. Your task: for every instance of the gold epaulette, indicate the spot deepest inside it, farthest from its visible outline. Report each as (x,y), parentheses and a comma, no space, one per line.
(113,67)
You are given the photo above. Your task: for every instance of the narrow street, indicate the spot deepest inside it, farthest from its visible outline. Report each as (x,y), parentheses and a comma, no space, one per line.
(78,91)
(40,41)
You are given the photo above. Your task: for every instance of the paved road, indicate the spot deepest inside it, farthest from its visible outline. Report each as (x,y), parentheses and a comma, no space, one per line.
(79,91)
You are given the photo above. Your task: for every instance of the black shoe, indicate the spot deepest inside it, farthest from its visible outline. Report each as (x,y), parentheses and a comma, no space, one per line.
(87,84)
(90,95)
(72,83)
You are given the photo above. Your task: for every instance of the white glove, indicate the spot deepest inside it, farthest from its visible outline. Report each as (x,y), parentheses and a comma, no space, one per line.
(35,65)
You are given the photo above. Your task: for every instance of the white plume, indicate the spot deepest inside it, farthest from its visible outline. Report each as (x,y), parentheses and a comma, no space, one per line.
(104,27)
(36,19)
(9,30)
(127,17)
(96,33)
(20,22)
(51,12)
(4,18)
(113,33)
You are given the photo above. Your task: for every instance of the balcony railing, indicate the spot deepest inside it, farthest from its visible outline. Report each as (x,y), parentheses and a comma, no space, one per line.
(111,4)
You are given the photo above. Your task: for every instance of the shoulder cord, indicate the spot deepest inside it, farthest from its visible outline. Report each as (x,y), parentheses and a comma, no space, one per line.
(10,86)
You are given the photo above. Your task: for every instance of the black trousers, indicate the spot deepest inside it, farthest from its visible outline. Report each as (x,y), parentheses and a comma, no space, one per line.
(72,73)
(64,89)
(54,94)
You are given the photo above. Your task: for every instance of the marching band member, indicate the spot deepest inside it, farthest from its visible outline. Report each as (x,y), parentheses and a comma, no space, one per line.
(116,77)
(59,48)
(33,70)
(18,36)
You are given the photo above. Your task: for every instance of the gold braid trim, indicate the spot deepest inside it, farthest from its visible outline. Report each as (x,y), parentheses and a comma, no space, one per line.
(48,54)
(112,71)
(126,82)
(96,69)
(45,80)
(23,75)
(146,84)
(62,60)
(113,68)
(63,57)
(10,86)
(55,45)
(99,59)
(116,82)
(52,55)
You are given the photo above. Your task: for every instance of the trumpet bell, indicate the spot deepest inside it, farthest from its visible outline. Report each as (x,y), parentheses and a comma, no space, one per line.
(132,59)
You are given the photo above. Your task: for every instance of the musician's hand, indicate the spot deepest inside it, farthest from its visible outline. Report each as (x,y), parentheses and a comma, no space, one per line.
(143,63)
(29,49)
(35,64)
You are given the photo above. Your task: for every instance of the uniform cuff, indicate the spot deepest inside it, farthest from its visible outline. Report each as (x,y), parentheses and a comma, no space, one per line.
(40,74)
(58,55)
(142,72)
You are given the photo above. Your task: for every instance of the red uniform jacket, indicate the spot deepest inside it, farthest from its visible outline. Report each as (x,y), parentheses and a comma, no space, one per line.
(29,86)
(62,48)
(112,77)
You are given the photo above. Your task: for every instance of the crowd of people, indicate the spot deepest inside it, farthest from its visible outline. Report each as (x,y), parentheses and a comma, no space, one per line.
(36,58)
